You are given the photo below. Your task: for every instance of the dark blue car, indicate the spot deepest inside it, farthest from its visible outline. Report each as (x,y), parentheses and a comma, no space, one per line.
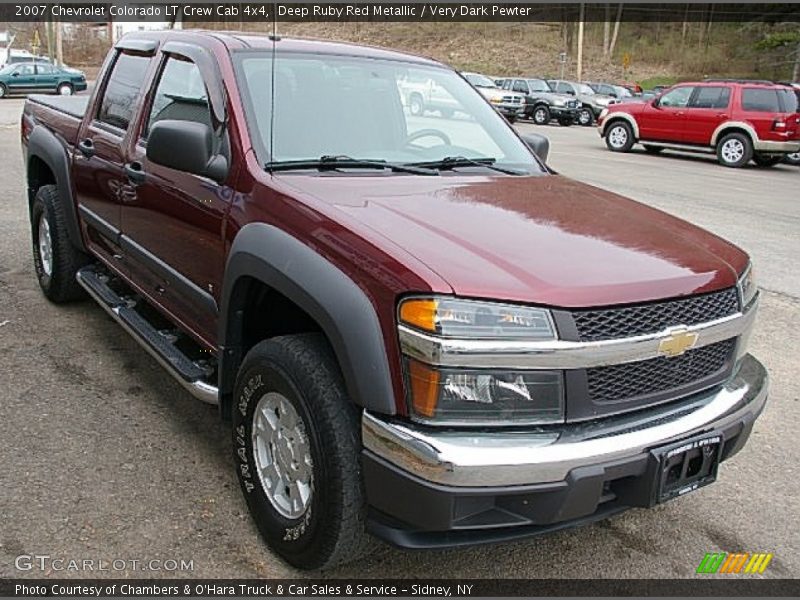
(23,78)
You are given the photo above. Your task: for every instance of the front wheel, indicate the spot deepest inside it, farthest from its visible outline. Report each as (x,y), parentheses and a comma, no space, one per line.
(415,105)
(766,160)
(619,137)
(296,444)
(65,89)
(585,117)
(541,115)
(734,150)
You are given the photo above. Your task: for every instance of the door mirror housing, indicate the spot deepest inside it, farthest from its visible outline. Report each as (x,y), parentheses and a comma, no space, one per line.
(186,146)
(538,144)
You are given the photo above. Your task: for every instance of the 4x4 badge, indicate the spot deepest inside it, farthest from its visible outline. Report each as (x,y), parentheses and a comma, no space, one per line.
(677,343)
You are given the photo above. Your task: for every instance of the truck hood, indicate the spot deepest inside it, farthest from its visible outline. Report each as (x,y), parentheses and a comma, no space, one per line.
(542,239)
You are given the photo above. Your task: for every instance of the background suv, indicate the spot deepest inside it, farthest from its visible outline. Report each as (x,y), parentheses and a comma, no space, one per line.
(509,104)
(738,120)
(542,103)
(592,103)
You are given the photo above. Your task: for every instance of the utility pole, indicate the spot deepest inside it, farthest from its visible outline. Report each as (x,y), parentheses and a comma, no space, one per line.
(580,42)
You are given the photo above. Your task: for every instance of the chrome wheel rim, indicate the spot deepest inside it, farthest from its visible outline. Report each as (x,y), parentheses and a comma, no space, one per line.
(540,116)
(617,137)
(584,117)
(282,455)
(795,156)
(45,246)
(732,151)
(65,90)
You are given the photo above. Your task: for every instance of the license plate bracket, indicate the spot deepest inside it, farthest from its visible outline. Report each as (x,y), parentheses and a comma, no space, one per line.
(687,466)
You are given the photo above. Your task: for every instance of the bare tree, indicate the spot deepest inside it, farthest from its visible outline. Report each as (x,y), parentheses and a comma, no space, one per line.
(607,30)
(613,43)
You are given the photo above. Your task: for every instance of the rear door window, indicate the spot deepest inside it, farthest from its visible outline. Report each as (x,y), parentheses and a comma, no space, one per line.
(760,100)
(712,97)
(122,90)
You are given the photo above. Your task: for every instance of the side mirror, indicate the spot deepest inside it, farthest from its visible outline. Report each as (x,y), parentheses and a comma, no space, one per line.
(655,102)
(15,74)
(538,144)
(186,146)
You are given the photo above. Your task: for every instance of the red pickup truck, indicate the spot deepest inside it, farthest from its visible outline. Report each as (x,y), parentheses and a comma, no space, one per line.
(416,329)
(740,121)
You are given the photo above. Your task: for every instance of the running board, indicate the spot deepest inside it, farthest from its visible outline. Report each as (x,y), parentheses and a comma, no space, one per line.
(181,367)
(680,147)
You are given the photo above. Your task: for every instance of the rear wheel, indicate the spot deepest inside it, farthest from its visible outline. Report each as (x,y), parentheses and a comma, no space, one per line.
(734,150)
(767,160)
(55,259)
(297,443)
(586,117)
(3,91)
(541,115)
(65,89)
(619,137)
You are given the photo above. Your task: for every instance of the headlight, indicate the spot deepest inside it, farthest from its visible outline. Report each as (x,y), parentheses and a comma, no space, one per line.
(495,100)
(747,286)
(452,317)
(470,396)
(483,397)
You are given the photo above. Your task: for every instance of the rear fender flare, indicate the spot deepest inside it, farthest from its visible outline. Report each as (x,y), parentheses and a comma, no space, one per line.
(722,129)
(339,306)
(45,146)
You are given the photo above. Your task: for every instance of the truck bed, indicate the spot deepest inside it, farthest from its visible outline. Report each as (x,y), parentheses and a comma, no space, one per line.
(74,106)
(62,115)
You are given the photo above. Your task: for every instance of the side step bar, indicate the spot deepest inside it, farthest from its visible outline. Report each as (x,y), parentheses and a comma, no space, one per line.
(177,364)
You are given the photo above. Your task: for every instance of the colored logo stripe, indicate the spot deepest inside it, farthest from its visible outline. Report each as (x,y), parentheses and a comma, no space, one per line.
(722,562)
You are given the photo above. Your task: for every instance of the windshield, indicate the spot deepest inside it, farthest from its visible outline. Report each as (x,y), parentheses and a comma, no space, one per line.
(538,85)
(584,89)
(7,69)
(622,92)
(479,80)
(369,109)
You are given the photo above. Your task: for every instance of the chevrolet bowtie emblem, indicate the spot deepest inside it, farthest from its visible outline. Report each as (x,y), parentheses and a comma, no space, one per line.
(677,343)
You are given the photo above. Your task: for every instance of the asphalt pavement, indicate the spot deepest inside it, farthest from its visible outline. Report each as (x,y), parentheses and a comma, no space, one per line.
(104,457)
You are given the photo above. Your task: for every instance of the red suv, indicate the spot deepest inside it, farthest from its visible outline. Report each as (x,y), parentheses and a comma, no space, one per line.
(738,120)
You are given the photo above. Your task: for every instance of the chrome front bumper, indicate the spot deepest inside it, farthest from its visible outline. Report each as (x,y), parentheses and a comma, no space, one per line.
(546,455)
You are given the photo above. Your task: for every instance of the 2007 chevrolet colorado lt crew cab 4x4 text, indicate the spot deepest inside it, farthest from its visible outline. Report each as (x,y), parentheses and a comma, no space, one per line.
(417,329)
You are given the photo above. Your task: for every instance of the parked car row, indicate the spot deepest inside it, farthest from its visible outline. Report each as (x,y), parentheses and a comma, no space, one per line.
(44,77)
(738,120)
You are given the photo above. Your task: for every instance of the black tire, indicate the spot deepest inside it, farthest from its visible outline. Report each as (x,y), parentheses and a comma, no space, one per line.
(734,150)
(303,369)
(511,118)
(766,160)
(619,136)
(59,285)
(3,91)
(653,149)
(792,159)
(416,106)
(565,122)
(65,89)
(541,114)
(586,117)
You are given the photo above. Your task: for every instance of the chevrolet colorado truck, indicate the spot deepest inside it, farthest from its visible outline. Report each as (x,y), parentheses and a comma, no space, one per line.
(417,330)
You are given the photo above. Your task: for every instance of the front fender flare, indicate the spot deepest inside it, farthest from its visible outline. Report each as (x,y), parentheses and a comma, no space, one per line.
(340,307)
(625,117)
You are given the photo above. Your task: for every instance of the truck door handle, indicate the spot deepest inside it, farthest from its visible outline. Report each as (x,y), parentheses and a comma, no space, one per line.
(135,172)
(86,147)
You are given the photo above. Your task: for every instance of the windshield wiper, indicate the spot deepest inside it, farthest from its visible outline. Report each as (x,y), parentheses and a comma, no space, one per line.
(452,162)
(329,162)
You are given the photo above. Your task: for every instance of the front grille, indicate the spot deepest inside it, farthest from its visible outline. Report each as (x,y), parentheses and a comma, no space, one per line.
(613,323)
(617,383)
(572,104)
(512,99)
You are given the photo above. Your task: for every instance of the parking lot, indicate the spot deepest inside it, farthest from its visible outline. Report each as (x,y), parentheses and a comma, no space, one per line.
(103,456)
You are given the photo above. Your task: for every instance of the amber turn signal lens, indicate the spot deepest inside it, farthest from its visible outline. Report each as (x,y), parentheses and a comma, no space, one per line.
(424,383)
(420,313)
